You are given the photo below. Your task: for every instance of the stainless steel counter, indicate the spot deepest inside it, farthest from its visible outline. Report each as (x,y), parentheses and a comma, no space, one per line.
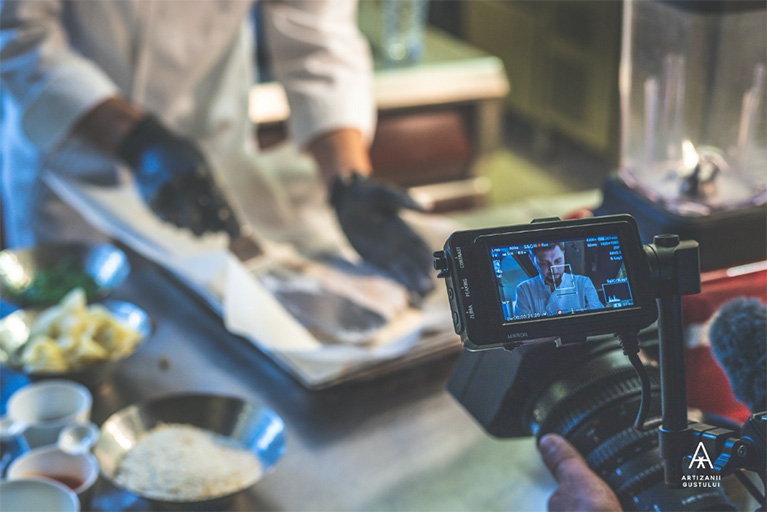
(399,442)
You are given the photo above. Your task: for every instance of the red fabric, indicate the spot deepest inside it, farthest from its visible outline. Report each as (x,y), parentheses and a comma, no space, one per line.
(707,386)
(716,290)
(581,213)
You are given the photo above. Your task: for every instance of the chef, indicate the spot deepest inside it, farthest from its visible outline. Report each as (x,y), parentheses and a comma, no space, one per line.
(555,290)
(161,87)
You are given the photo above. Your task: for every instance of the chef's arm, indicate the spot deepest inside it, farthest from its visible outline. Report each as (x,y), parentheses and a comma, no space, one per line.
(59,93)
(368,211)
(107,124)
(324,64)
(171,173)
(340,153)
(51,85)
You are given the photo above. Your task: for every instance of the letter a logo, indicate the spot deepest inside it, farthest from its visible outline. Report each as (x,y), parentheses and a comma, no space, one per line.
(701,458)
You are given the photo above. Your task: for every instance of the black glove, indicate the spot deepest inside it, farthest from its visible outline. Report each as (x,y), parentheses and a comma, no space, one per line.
(368,214)
(174,179)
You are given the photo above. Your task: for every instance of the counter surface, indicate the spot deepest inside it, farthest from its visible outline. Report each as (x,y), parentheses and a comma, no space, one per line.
(399,442)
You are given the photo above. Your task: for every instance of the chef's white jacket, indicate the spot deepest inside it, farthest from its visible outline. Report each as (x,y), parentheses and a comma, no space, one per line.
(190,62)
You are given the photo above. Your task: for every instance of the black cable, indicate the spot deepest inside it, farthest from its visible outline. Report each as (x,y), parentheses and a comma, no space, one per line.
(630,346)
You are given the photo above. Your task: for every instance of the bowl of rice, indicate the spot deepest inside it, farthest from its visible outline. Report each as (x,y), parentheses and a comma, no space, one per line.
(189,451)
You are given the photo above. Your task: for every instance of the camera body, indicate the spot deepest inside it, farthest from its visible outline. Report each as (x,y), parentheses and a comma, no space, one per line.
(521,287)
(596,271)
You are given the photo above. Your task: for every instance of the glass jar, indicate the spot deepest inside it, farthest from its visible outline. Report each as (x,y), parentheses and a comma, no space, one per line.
(693,103)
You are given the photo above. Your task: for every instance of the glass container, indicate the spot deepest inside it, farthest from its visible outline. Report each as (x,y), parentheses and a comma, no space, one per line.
(693,104)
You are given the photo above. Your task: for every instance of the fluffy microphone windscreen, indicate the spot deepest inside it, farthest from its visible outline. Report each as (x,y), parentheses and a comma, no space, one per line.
(738,336)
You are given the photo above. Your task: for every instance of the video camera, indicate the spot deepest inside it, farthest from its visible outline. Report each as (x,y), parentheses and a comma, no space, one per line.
(555,294)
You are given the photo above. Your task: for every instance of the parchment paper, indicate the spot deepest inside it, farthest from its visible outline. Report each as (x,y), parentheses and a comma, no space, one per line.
(247,307)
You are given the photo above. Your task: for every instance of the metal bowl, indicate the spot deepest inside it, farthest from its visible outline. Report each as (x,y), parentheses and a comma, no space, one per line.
(14,336)
(41,276)
(256,428)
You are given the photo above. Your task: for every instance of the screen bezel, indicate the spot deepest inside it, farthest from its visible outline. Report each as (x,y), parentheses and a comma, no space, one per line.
(489,327)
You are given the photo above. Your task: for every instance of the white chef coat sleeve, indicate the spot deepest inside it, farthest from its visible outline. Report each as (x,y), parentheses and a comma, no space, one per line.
(323,61)
(51,84)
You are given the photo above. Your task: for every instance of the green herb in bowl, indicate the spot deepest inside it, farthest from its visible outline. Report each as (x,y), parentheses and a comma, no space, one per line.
(50,286)
(41,276)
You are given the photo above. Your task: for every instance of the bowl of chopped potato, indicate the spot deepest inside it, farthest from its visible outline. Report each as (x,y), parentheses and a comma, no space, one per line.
(73,339)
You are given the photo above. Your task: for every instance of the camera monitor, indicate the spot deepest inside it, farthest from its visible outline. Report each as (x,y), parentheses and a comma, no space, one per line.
(554,289)
(565,279)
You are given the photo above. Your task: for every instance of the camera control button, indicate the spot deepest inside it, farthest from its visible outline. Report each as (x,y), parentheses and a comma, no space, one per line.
(450,293)
(456,322)
(666,240)
(440,263)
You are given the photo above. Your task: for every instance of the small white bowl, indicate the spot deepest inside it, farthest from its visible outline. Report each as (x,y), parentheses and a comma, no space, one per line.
(77,472)
(49,406)
(36,494)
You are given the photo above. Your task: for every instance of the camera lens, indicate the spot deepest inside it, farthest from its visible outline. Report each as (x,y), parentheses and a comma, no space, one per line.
(593,404)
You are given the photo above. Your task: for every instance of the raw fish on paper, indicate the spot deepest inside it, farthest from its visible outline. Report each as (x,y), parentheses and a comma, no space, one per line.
(337,301)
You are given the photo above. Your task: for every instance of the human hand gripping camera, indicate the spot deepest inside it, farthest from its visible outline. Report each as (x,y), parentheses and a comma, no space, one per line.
(738,334)
(613,432)
(578,487)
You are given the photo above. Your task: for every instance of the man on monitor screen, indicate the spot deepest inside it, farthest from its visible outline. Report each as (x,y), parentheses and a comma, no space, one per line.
(555,290)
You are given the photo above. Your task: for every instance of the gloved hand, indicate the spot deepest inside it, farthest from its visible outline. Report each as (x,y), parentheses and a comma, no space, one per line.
(579,487)
(368,214)
(174,179)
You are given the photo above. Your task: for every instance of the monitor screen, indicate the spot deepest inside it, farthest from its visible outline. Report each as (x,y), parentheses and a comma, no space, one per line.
(560,277)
